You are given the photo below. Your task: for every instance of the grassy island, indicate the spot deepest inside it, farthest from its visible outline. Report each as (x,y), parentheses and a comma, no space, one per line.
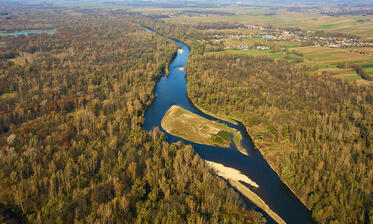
(192,127)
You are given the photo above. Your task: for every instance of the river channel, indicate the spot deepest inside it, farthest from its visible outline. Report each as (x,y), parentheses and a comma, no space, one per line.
(171,90)
(25,32)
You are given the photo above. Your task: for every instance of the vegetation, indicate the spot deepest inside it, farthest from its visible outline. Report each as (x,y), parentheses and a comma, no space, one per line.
(222,136)
(315,131)
(339,62)
(72,147)
(323,59)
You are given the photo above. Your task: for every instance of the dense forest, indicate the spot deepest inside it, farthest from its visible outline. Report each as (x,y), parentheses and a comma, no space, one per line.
(315,131)
(72,146)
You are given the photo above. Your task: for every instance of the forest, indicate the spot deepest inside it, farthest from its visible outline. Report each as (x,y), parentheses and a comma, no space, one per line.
(314,130)
(72,146)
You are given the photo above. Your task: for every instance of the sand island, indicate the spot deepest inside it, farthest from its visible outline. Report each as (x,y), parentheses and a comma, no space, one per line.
(192,127)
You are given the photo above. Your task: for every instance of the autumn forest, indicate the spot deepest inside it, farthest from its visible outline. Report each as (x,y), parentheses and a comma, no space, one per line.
(72,105)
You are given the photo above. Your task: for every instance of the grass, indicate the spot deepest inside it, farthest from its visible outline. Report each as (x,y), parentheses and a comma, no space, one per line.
(293,56)
(276,55)
(325,26)
(221,138)
(192,127)
(224,135)
(9,96)
(252,52)
(367,66)
(255,52)
(353,76)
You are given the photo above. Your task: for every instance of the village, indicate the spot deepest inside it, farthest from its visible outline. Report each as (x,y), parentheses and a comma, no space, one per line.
(308,37)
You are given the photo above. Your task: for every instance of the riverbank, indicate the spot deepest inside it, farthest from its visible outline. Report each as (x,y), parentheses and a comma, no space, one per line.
(231,173)
(264,149)
(221,117)
(235,177)
(266,152)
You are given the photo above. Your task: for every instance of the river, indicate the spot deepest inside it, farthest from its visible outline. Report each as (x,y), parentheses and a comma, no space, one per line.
(171,90)
(26,32)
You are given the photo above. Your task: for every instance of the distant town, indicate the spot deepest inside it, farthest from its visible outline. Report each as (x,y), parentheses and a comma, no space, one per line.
(334,11)
(309,37)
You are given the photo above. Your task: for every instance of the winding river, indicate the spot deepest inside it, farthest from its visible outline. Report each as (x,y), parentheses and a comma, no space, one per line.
(171,90)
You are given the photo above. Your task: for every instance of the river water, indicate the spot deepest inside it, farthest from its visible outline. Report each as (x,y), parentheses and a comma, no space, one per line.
(25,32)
(171,90)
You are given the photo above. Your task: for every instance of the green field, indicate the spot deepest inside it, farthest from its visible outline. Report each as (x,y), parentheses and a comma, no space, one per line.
(367,66)
(326,59)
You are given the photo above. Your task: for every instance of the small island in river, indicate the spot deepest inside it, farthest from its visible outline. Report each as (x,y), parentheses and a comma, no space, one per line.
(192,127)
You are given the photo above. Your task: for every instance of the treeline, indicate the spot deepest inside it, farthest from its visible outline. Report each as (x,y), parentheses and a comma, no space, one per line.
(183,32)
(72,147)
(218,25)
(315,131)
(322,33)
(204,13)
(358,69)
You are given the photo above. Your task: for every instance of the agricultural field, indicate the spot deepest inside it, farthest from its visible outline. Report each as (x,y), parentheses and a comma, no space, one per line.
(274,15)
(324,59)
(258,41)
(281,18)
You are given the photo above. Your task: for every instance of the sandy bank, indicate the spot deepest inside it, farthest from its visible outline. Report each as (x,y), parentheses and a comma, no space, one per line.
(230,173)
(234,177)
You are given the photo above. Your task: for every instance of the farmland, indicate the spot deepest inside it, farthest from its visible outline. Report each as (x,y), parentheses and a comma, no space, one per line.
(313,49)
(281,18)
(323,59)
